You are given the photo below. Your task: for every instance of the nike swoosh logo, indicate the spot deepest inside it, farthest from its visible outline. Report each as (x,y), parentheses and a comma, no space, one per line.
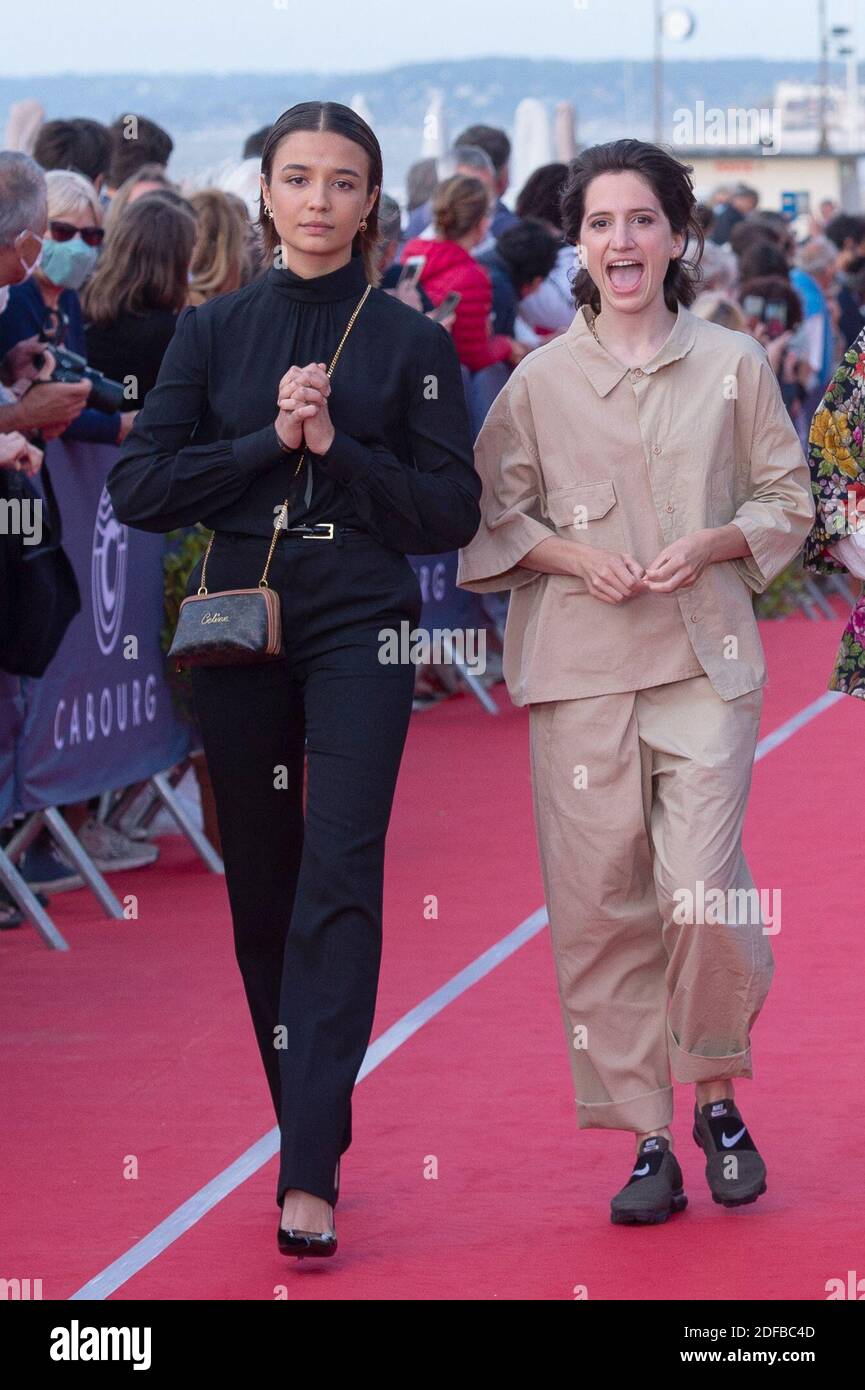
(641,1172)
(728,1142)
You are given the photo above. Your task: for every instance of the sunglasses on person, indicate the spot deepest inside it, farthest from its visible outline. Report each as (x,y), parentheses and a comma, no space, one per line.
(65,231)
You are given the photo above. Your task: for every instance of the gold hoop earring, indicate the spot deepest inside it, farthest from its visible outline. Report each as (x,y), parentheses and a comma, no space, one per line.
(267,211)
(362,226)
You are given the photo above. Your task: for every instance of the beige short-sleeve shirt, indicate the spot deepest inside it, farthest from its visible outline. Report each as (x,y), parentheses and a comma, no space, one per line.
(578,445)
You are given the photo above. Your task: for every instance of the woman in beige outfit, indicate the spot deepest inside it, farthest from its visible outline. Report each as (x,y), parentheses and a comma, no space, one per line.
(641,478)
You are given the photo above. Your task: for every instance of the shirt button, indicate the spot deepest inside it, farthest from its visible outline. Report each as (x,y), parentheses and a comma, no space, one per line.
(694,617)
(656,448)
(669,507)
(638,371)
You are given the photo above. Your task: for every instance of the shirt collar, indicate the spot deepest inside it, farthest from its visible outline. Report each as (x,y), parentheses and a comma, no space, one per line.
(604,371)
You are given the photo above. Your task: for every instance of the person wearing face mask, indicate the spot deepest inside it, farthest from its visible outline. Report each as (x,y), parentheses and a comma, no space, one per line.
(16,451)
(49,296)
(18,366)
(44,261)
(22,221)
(28,402)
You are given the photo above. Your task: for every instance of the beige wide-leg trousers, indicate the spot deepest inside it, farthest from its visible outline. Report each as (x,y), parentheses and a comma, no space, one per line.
(639,797)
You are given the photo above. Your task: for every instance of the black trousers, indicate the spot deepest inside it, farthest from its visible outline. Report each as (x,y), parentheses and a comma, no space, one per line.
(306,891)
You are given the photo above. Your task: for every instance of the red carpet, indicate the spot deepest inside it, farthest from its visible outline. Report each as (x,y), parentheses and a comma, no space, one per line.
(133,1053)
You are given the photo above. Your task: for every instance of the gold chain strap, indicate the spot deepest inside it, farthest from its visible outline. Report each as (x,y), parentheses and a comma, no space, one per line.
(283,515)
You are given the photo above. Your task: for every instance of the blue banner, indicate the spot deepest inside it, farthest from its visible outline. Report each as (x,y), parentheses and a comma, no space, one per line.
(11,723)
(444,605)
(102,715)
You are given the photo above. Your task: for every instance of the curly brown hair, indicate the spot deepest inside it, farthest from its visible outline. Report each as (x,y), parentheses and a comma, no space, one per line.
(671,181)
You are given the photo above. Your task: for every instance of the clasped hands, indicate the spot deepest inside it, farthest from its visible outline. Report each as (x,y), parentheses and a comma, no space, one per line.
(303,416)
(615,577)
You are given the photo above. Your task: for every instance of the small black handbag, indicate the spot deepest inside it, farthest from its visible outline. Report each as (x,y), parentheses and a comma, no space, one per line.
(238,626)
(39,593)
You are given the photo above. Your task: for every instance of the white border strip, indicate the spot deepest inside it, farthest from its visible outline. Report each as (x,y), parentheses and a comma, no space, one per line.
(189,1212)
(793,725)
(201,1202)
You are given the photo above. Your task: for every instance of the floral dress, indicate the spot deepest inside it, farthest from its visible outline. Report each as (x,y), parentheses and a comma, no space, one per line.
(837,462)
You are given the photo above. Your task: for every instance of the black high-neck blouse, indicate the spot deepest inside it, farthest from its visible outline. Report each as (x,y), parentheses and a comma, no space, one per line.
(204,446)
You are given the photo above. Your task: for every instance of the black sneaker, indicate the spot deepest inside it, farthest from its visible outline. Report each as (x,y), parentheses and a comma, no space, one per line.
(721,1133)
(655,1188)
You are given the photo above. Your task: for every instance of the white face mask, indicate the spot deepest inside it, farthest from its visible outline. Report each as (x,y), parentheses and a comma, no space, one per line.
(29,269)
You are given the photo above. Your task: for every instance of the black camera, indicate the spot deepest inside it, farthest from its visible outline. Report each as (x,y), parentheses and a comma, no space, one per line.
(106,395)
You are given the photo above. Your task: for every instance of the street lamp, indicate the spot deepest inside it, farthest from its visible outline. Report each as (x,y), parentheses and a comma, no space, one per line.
(848,52)
(675,24)
(823,135)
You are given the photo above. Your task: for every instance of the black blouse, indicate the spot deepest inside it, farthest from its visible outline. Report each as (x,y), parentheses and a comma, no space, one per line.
(204,446)
(133,345)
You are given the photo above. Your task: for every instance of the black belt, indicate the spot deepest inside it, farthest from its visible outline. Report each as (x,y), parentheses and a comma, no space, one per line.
(320,531)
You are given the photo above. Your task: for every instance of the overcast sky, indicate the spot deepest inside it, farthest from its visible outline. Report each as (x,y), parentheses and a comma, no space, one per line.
(83,36)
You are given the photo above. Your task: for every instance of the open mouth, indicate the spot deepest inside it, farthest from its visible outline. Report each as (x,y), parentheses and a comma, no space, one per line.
(624,274)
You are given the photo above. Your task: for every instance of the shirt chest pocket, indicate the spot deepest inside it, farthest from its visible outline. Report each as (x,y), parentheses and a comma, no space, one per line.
(589,513)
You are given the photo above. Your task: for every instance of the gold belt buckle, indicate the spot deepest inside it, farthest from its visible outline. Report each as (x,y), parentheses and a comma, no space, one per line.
(328,537)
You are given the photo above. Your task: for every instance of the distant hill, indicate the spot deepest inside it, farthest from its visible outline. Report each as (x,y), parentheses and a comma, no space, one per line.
(209,115)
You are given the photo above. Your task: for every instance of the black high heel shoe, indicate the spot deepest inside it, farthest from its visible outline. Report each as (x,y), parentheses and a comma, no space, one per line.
(301,1243)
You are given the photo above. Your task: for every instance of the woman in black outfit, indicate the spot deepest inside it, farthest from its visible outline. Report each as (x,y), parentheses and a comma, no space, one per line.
(389,470)
(140,284)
